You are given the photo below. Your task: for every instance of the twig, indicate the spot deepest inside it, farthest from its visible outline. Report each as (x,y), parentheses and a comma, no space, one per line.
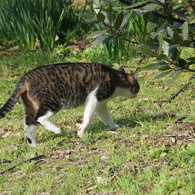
(173,96)
(173,11)
(161,15)
(116,33)
(34,158)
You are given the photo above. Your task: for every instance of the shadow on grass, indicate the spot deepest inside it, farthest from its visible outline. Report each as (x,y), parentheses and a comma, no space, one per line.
(97,127)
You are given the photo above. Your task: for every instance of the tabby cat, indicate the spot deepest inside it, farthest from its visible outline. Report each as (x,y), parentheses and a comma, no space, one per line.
(47,89)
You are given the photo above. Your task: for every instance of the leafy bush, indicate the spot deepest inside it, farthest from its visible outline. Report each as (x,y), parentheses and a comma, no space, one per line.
(162,29)
(114,28)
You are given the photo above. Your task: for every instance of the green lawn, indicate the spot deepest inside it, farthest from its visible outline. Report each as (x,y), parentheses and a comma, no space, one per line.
(153,151)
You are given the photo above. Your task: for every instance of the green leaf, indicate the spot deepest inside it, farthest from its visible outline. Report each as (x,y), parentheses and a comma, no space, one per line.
(150,26)
(170,31)
(173,76)
(137,5)
(161,57)
(146,50)
(119,20)
(186,43)
(185,31)
(182,62)
(151,7)
(100,17)
(96,34)
(176,37)
(156,65)
(163,74)
(102,39)
(88,17)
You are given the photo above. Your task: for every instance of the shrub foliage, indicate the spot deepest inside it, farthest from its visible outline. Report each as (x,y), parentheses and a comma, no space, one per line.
(161,28)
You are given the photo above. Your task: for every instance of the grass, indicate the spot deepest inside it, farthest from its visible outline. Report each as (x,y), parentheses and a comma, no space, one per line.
(150,153)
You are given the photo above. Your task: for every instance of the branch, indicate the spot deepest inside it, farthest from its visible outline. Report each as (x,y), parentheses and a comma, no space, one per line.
(34,158)
(166,17)
(173,11)
(125,2)
(173,96)
(116,33)
(190,70)
(161,15)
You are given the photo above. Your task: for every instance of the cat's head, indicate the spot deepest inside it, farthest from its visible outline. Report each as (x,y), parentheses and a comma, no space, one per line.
(132,86)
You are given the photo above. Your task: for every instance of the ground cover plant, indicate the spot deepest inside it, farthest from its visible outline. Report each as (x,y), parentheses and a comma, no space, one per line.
(153,151)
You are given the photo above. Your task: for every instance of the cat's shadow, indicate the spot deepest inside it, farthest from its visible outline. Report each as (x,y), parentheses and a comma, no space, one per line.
(97,127)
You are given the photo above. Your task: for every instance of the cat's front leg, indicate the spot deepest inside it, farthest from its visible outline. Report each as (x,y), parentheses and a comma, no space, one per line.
(104,115)
(90,107)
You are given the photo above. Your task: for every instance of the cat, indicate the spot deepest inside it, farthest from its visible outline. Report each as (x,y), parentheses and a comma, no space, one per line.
(48,89)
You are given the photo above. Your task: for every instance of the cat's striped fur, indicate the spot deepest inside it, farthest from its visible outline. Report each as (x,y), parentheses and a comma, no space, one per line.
(47,89)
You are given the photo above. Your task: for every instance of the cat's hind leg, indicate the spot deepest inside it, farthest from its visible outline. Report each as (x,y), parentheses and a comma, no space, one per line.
(30,125)
(104,115)
(29,131)
(90,107)
(43,116)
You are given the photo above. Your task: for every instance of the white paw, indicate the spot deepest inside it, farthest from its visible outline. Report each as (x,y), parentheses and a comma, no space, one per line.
(57,131)
(79,133)
(114,127)
(33,144)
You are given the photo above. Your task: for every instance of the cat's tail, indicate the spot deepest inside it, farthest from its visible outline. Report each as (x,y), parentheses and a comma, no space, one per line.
(12,100)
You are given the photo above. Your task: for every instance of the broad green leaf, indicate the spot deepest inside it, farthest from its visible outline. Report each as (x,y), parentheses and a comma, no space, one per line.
(161,57)
(88,17)
(186,43)
(138,5)
(170,31)
(97,6)
(150,26)
(151,7)
(163,74)
(124,22)
(182,62)
(96,34)
(185,31)
(173,76)
(147,51)
(156,65)
(176,37)
(166,48)
(174,53)
(102,39)
(119,20)
(100,17)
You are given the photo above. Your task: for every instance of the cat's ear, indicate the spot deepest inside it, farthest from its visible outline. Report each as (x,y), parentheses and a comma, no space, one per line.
(121,69)
(136,72)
